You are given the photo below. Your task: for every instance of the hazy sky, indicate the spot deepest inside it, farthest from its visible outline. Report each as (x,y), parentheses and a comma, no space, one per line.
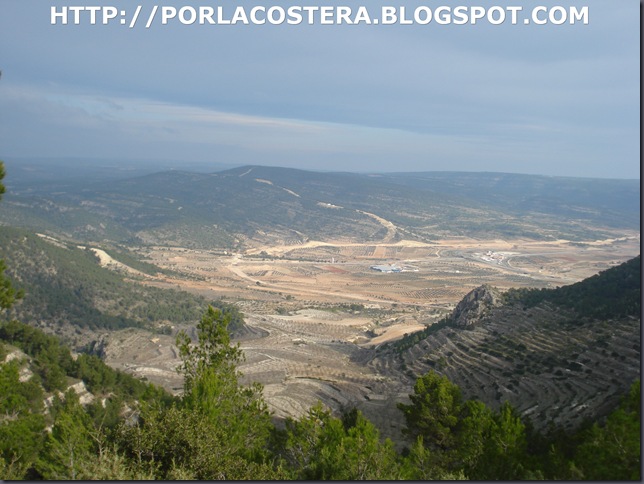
(546,99)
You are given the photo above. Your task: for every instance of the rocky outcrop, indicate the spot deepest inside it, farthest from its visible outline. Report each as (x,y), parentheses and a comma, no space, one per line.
(475,305)
(85,397)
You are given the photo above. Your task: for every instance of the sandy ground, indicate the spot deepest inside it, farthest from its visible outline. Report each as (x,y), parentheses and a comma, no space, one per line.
(328,273)
(107,261)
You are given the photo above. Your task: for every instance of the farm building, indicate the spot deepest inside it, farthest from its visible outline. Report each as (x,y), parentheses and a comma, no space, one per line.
(386,268)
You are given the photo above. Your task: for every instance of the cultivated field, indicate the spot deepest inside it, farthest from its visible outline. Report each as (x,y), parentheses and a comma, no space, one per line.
(313,307)
(440,273)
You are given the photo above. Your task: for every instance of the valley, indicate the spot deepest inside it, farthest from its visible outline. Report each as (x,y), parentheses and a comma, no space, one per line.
(337,275)
(315,310)
(444,271)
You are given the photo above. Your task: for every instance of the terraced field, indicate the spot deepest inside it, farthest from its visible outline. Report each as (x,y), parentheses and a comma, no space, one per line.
(552,366)
(306,343)
(299,358)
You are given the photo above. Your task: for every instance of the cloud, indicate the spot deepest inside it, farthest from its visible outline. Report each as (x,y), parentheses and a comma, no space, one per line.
(554,100)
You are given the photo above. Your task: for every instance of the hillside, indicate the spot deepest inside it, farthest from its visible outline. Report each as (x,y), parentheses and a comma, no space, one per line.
(69,293)
(40,380)
(555,360)
(255,204)
(607,202)
(70,417)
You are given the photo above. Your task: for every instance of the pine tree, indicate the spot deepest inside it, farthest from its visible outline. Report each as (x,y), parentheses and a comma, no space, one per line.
(218,430)
(322,447)
(8,294)
(434,411)
(613,451)
(211,386)
(70,442)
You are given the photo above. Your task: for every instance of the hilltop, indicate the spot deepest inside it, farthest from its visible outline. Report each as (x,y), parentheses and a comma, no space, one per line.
(246,206)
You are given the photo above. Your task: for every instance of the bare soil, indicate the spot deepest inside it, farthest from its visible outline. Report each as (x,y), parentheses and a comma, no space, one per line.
(314,306)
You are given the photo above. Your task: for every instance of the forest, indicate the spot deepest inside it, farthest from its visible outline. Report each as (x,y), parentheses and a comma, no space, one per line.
(609,294)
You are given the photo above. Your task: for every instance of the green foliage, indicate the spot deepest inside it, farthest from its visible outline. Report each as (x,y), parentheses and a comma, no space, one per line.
(108,464)
(361,455)
(234,316)
(211,386)
(420,464)
(22,422)
(18,397)
(180,443)
(474,428)
(320,446)
(8,294)
(504,448)
(54,364)
(298,445)
(20,441)
(70,442)
(51,361)
(613,451)
(612,293)
(102,379)
(434,411)
(78,448)
(66,285)
(454,436)
(221,430)
(213,352)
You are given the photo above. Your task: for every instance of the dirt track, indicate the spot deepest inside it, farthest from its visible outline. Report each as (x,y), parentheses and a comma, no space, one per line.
(314,305)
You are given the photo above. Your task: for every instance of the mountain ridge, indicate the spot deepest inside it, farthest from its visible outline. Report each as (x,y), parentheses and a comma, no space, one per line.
(248,205)
(550,361)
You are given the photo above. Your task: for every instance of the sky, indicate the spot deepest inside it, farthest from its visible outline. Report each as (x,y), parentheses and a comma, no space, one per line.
(559,100)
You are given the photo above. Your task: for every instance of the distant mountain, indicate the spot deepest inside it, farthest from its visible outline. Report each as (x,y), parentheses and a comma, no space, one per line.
(232,208)
(610,202)
(28,173)
(559,355)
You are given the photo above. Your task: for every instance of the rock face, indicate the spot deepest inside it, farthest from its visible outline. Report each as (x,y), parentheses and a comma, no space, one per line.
(551,363)
(475,305)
